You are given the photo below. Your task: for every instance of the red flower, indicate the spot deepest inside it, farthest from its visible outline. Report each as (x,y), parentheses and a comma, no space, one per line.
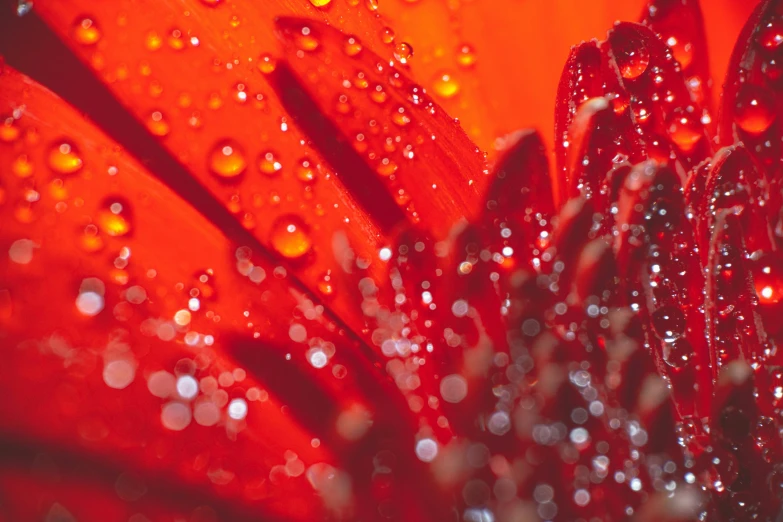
(272,279)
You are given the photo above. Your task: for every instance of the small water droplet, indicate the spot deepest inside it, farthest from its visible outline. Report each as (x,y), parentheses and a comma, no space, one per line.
(632,57)
(211,3)
(342,104)
(466,56)
(114,218)
(89,240)
(306,39)
(227,159)
(305,170)
(153,41)
(445,85)
(386,167)
(378,95)
(266,63)
(239,92)
(268,164)
(372,5)
(9,131)
(400,117)
(754,111)
(668,323)
(22,167)
(387,35)
(403,52)
(682,50)
(157,124)
(175,40)
(352,46)
(771,35)
(291,236)
(86,32)
(64,158)
(685,129)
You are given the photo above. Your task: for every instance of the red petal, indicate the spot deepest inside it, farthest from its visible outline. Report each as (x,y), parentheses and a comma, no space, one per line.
(406,140)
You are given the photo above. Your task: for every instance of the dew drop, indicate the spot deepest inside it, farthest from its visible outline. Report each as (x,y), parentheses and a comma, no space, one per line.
(372,5)
(682,50)
(211,3)
(9,131)
(771,35)
(64,158)
(114,217)
(754,111)
(266,64)
(387,35)
(320,3)
(668,323)
(403,52)
(157,124)
(305,170)
(400,117)
(352,46)
(445,85)
(290,237)
(239,92)
(227,160)
(268,164)
(386,167)
(306,40)
(22,167)
(632,57)
(378,95)
(89,240)
(677,353)
(685,130)
(153,41)
(175,40)
(466,56)
(86,32)
(768,278)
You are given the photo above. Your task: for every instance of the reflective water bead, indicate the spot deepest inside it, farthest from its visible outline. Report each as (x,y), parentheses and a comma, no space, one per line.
(403,52)
(466,55)
(387,35)
(668,323)
(86,32)
(268,164)
(9,131)
(754,111)
(266,63)
(685,130)
(114,218)
(320,3)
(632,57)
(227,160)
(305,170)
(445,85)
(352,46)
(771,35)
(290,236)
(157,124)
(64,158)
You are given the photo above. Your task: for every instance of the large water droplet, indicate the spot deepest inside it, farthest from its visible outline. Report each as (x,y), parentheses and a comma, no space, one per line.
(403,52)
(227,160)
(320,3)
(291,236)
(632,57)
(677,353)
(64,158)
(755,109)
(685,129)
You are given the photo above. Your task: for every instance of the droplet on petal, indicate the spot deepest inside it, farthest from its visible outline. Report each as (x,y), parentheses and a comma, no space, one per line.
(86,32)
(445,85)
(755,109)
(291,236)
(114,218)
(403,52)
(227,160)
(64,158)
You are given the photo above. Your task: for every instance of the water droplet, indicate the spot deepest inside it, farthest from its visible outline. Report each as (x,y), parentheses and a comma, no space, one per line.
(466,56)
(227,160)
(64,158)
(632,56)
(325,285)
(668,323)
(9,131)
(386,167)
(378,95)
(153,41)
(211,3)
(22,167)
(342,104)
(306,40)
(114,218)
(768,278)
(400,117)
(320,3)
(266,63)
(352,46)
(157,124)
(175,40)
(682,51)
(239,92)
(372,5)
(445,85)
(677,353)
(86,32)
(771,35)
(403,52)
(89,240)
(754,111)
(685,129)
(387,35)
(305,170)
(291,236)
(268,164)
